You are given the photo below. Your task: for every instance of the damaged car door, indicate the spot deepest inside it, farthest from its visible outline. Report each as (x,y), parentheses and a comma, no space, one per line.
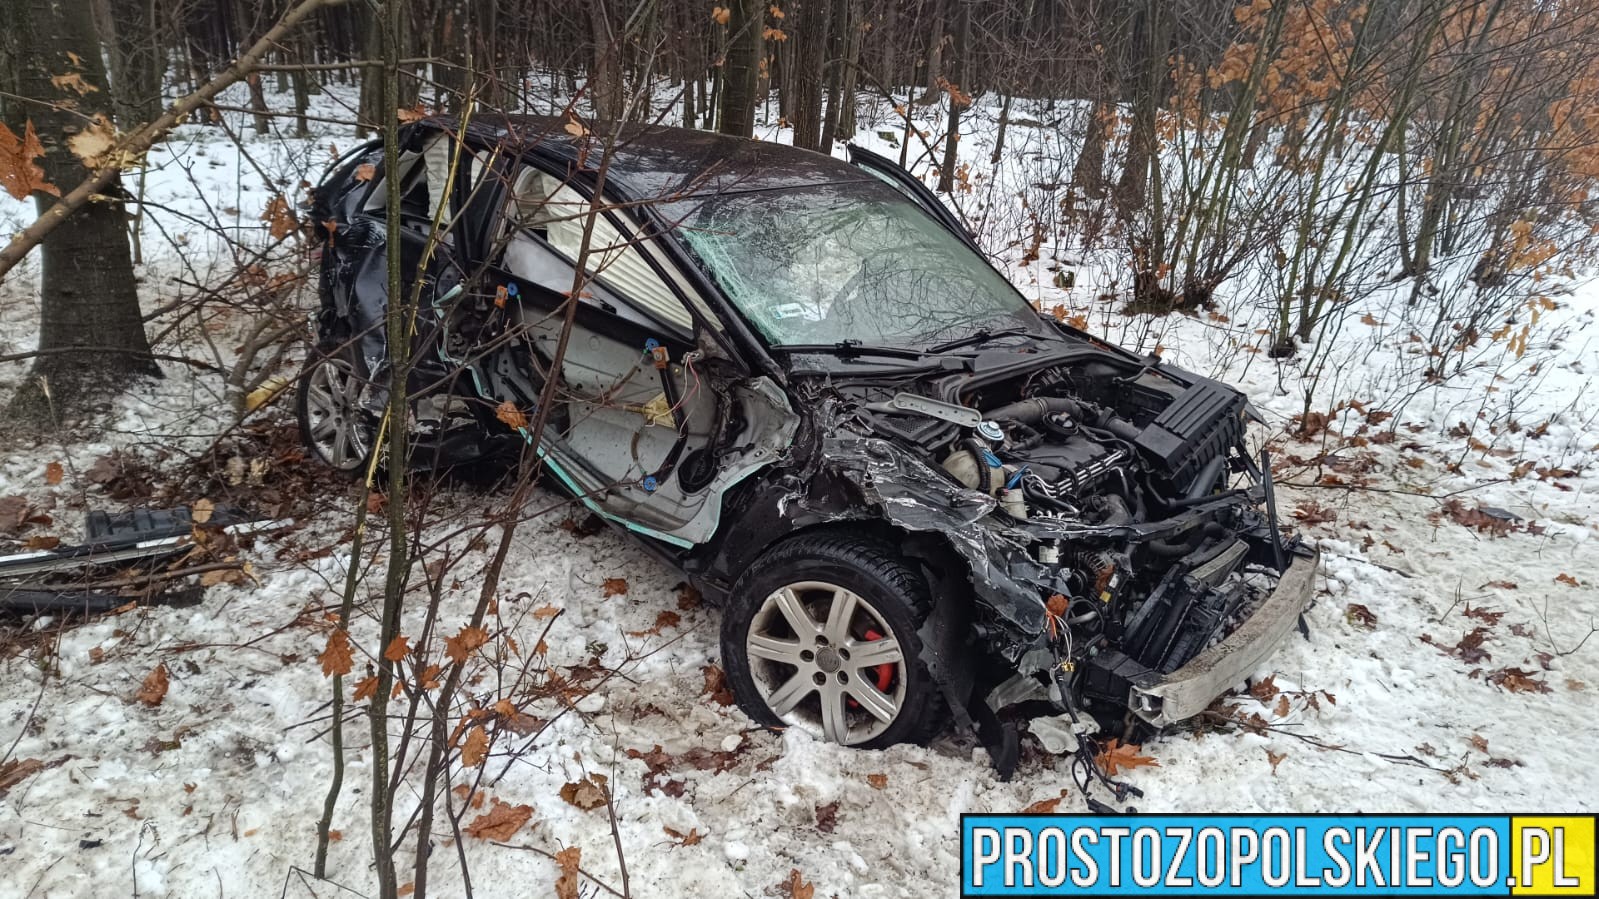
(652,422)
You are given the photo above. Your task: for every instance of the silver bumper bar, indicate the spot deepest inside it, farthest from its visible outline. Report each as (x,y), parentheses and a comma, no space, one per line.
(1184,693)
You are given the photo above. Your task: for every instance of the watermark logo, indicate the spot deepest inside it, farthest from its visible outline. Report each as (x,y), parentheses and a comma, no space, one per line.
(1277,855)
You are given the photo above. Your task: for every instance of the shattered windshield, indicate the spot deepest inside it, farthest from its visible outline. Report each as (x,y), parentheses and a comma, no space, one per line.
(858,261)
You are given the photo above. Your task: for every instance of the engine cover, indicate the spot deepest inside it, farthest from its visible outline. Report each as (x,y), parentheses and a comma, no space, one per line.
(1071,467)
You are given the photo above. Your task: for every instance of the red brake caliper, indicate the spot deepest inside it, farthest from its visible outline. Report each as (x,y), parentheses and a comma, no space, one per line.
(885,671)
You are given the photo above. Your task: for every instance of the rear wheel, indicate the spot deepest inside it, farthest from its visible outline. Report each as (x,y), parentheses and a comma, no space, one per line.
(820,634)
(333,423)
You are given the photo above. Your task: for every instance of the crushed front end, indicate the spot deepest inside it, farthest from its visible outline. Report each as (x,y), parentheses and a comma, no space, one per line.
(1118,538)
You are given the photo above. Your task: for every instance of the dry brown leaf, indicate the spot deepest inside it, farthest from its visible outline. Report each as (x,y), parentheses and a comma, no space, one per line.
(406,889)
(72,81)
(366,171)
(570,862)
(1360,616)
(366,688)
(546,612)
(716,685)
(721,15)
(476,748)
(336,657)
(398,648)
(585,794)
(1045,806)
(500,822)
(280,218)
(41,541)
(1264,689)
(796,886)
(1478,742)
(18,171)
(510,416)
(412,114)
(201,511)
(16,771)
(575,128)
(614,586)
(877,781)
(664,619)
(692,838)
(1276,758)
(1311,512)
(53,473)
(460,646)
(1118,756)
(154,688)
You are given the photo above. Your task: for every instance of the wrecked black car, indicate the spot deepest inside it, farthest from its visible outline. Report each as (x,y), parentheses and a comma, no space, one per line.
(799,380)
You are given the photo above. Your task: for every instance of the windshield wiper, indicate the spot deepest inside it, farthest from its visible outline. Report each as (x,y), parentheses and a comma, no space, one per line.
(982,335)
(849,349)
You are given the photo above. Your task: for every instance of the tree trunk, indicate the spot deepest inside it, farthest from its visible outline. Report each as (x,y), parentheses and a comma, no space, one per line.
(138,59)
(1088,174)
(811,33)
(849,78)
(957,101)
(737,115)
(935,57)
(91,337)
(1004,126)
(605,79)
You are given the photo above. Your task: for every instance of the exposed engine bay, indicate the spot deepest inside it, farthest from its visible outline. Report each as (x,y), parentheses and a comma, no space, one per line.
(1120,495)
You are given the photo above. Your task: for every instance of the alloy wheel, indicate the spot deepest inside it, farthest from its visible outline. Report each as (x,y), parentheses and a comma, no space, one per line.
(825,660)
(337,427)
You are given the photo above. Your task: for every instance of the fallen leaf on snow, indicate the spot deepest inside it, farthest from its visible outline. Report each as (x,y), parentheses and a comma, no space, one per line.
(1118,756)
(500,822)
(585,794)
(716,685)
(796,887)
(154,688)
(570,862)
(1276,758)
(692,838)
(1045,806)
(15,771)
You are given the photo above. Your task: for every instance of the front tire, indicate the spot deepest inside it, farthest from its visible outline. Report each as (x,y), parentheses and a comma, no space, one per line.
(820,634)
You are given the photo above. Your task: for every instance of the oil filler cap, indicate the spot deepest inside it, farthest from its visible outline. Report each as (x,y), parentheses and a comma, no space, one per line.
(990,430)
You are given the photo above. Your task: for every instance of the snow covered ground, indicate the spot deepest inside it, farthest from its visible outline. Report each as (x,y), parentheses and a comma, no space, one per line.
(216,790)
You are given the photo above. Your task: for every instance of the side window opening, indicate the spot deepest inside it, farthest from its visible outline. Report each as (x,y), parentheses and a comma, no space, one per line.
(542,206)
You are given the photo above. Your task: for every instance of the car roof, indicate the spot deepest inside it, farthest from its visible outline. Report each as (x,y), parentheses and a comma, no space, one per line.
(656,161)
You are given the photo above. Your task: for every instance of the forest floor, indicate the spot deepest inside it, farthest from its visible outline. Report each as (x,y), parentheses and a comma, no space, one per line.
(1444,667)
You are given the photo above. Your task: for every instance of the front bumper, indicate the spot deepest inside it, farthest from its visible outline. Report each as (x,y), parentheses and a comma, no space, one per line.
(1184,693)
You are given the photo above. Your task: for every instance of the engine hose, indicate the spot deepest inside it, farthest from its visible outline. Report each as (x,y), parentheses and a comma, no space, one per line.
(1206,479)
(980,453)
(1169,549)
(1031,411)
